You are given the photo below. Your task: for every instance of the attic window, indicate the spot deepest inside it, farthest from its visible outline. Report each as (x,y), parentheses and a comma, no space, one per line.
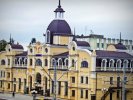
(31,50)
(46,50)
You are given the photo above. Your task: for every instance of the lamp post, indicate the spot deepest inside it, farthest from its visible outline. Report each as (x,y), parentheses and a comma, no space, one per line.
(34,92)
(55,81)
(123,84)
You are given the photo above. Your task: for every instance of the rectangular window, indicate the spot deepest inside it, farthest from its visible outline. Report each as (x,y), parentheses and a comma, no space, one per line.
(59,87)
(0,73)
(66,88)
(8,86)
(8,75)
(24,83)
(125,80)
(30,62)
(73,93)
(82,79)
(73,79)
(118,94)
(19,80)
(102,45)
(3,73)
(86,94)
(111,80)
(97,45)
(8,61)
(14,79)
(52,87)
(1,84)
(86,80)
(81,93)
(118,81)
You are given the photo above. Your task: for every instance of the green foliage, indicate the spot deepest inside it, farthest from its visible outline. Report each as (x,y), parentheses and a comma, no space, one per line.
(3,44)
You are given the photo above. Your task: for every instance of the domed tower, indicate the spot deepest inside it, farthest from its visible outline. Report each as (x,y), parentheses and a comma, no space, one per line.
(58,31)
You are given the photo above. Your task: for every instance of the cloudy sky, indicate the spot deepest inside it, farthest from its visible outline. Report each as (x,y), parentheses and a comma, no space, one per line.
(25,19)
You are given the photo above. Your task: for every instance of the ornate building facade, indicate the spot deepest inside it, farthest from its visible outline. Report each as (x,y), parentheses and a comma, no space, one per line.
(81,72)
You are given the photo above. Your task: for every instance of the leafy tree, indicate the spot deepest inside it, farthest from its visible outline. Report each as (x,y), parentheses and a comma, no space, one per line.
(3,44)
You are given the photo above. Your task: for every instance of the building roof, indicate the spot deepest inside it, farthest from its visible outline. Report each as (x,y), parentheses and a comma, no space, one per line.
(112,54)
(82,43)
(59,27)
(64,54)
(90,36)
(16,46)
(22,54)
(120,46)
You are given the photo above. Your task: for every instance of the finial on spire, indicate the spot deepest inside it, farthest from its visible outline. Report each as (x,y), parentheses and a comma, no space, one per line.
(59,4)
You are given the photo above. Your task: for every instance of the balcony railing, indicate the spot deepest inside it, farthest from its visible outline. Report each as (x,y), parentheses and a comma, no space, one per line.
(113,69)
(59,67)
(20,65)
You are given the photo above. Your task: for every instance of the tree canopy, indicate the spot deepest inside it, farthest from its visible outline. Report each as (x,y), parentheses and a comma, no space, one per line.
(3,44)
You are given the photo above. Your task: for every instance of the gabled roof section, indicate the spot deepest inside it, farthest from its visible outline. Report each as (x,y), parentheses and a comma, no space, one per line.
(112,54)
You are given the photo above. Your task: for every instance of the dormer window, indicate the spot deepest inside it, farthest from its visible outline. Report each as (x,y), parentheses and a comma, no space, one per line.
(31,50)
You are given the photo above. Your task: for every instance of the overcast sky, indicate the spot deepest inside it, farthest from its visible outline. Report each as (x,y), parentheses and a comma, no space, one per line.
(26,19)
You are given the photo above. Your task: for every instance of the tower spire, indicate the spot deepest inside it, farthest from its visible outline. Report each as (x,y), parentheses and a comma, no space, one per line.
(74,36)
(10,41)
(120,37)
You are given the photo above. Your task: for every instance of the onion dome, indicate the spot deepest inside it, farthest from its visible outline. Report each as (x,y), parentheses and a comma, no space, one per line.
(59,27)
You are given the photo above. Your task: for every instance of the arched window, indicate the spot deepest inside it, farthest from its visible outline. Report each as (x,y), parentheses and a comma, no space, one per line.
(125,63)
(118,63)
(3,62)
(38,78)
(15,61)
(111,63)
(25,61)
(73,63)
(20,61)
(131,65)
(60,62)
(38,62)
(52,61)
(104,64)
(46,62)
(84,64)
(48,36)
(66,62)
